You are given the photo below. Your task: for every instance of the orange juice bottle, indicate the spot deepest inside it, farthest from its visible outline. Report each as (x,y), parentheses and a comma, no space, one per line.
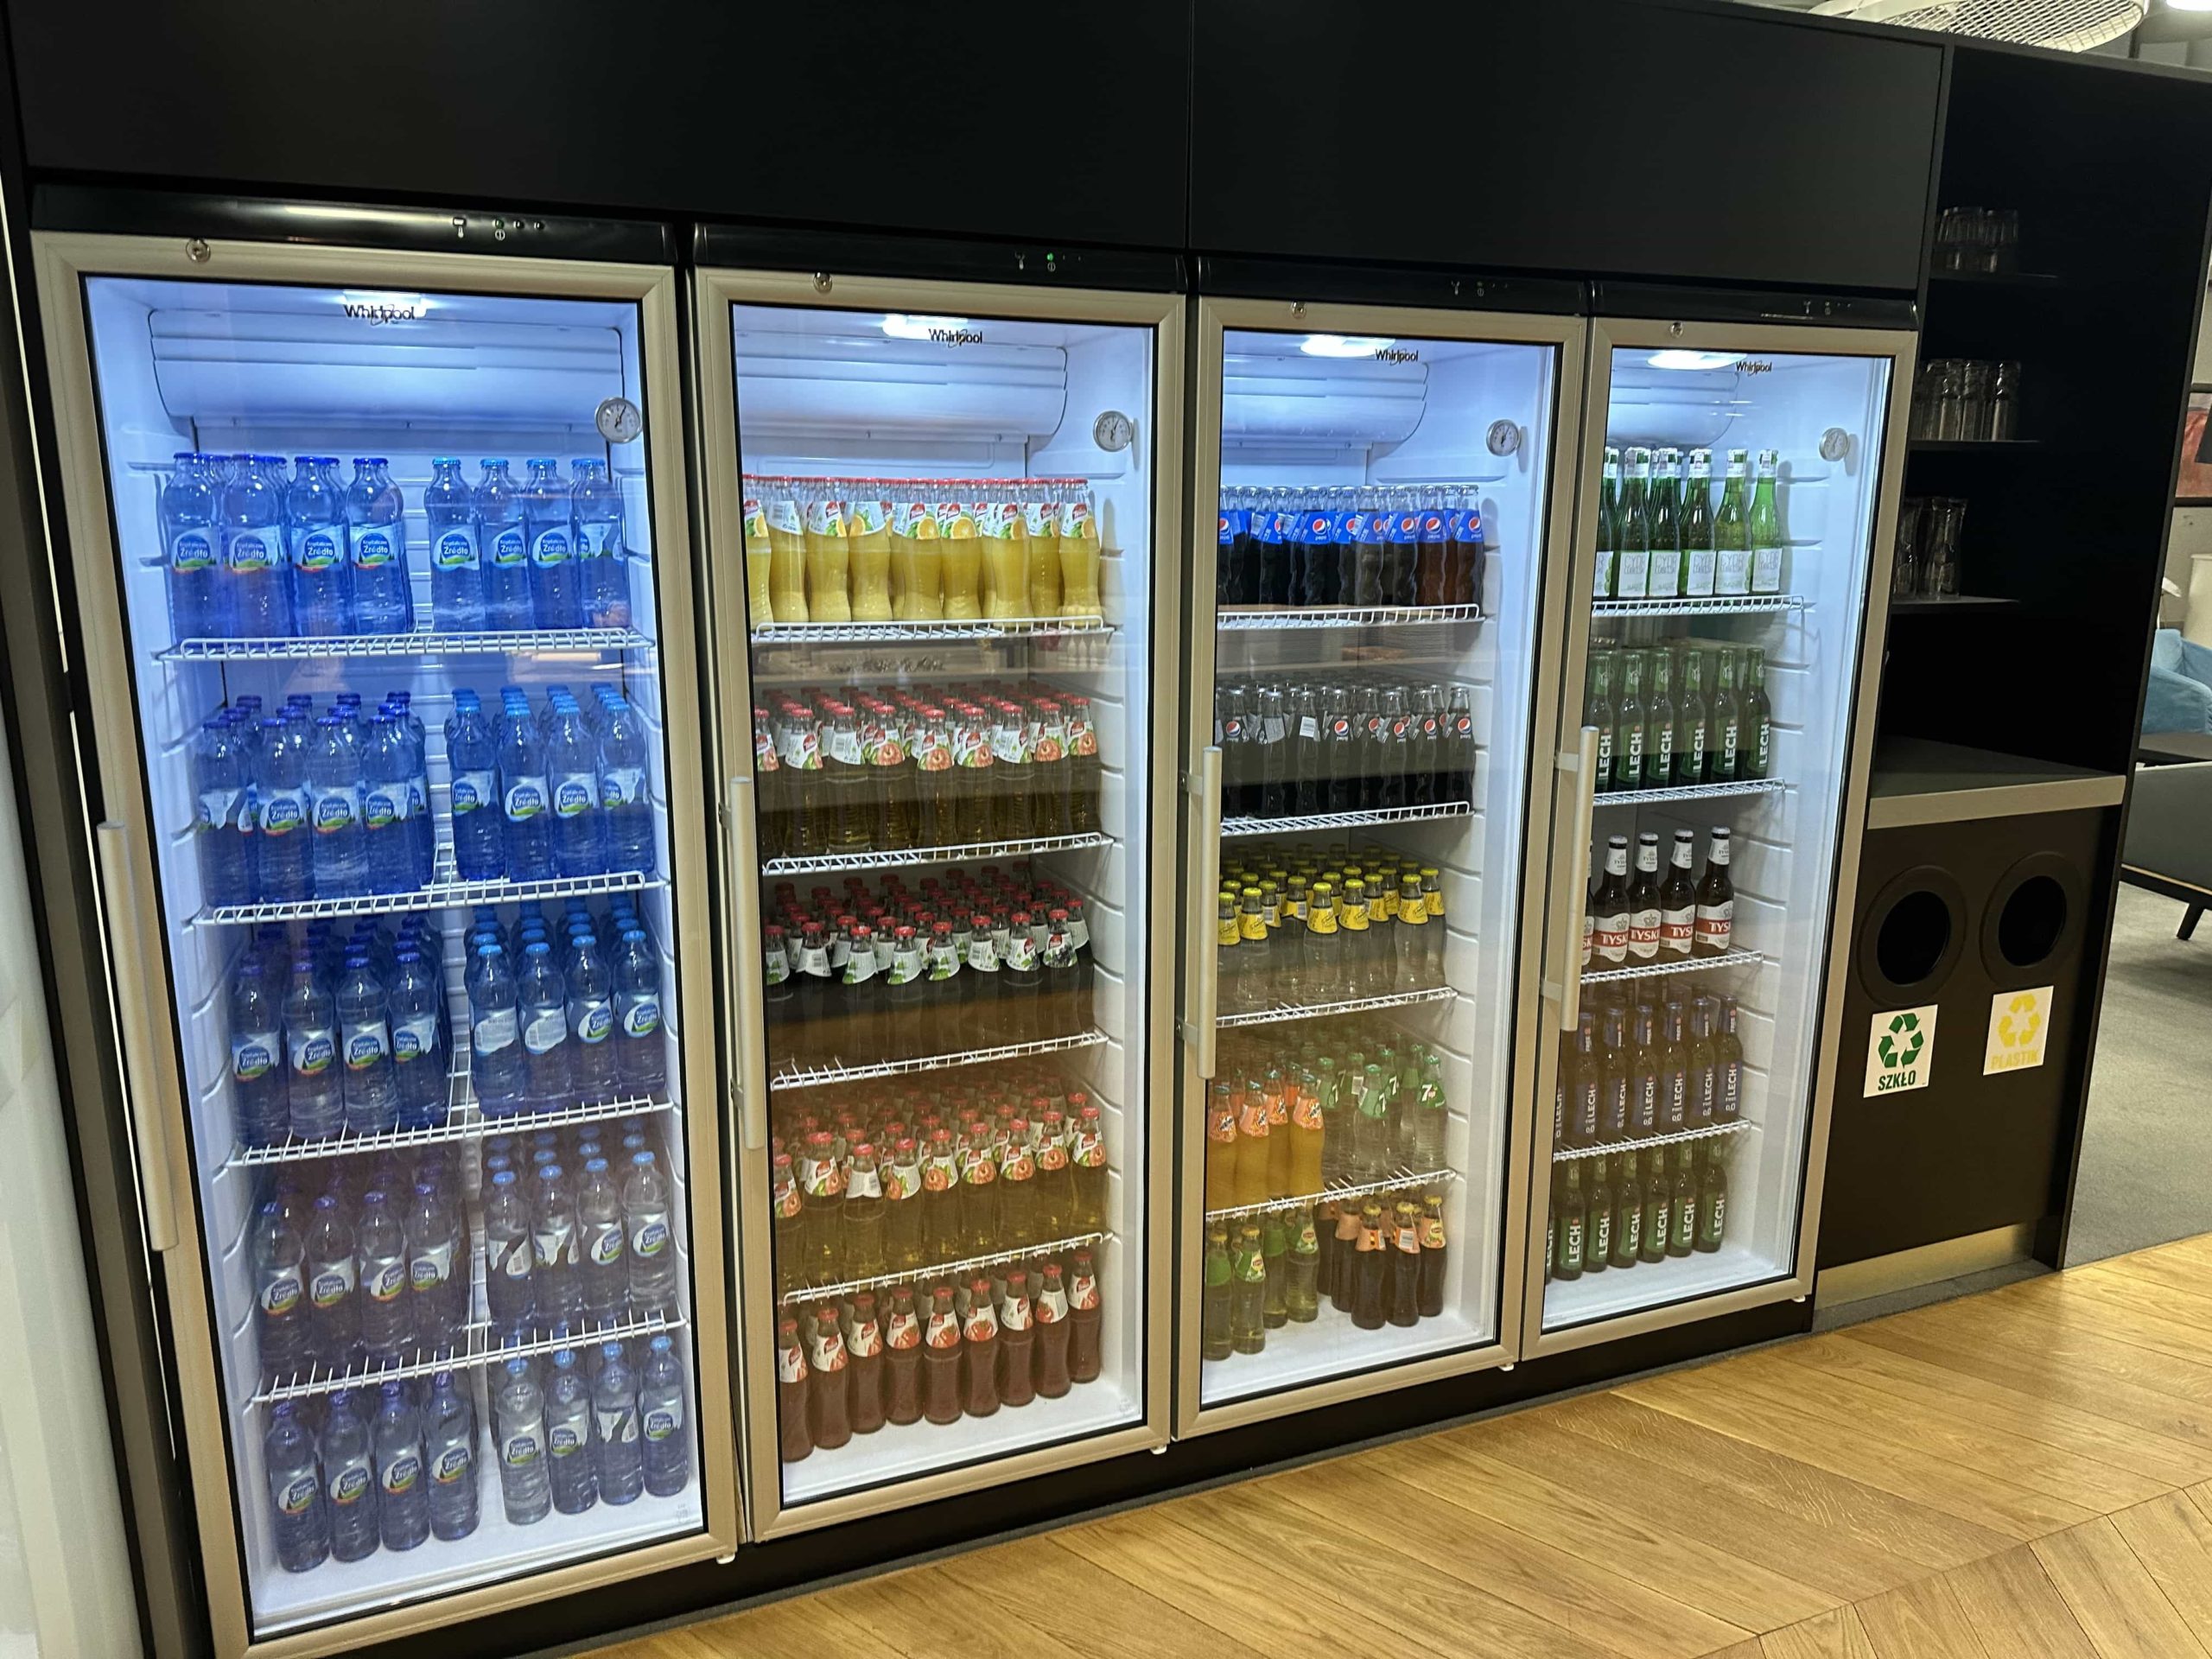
(917,555)
(1221,1149)
(961,560)
(868,520)
(1078,551)
(1041,512)
(760,604)
(1252,1150)
(786,551)
(1006,553)
(828,552)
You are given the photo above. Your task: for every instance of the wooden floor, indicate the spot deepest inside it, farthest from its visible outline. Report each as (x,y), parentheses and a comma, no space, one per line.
(2025,1472)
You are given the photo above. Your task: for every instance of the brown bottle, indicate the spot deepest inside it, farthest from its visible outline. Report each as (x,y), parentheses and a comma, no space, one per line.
(1370,1271)
(940,1200)
(832,1416)
(1434,1250)
(1017,1343)
(1404,1289)
(864,1352)
(1716,898)
(794,1437)
(979,1342)
(1086,1314)
(1053,1329)
(941,1359)
(1344,1258)
(902,1360)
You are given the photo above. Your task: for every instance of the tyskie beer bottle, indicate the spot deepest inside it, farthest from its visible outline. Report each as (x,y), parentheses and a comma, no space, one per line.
(1643,907)
(1678,900)
(1716,898)
(1609,905)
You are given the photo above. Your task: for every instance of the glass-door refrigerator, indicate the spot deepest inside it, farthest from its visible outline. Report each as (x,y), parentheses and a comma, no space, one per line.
(386,595)
(943,518)
(1739,484)
(1368,658)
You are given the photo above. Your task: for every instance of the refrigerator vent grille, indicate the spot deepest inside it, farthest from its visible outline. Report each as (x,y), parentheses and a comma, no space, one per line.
(2061,25)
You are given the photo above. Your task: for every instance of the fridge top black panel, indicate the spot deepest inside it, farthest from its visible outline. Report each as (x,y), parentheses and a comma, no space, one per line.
(414,230)
(1589,136)
(1001,117)
(1039,263)
(1316,280)
(1690,304)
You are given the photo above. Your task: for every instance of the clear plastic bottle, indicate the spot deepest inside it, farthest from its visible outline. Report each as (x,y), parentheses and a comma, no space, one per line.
(661,1393)
(553,1224)
(387,1326)
(449,1455)
(300,1520)
(602,1263)
(508,606)
(496,1068)
(519,1411)
(572,786)
(602,550)
(259,1113)
(255,566)
(647,1222)
(543,1002)
(332,1280)
(569,1438)
(457,560)
(376,538)
(321,577)
(365,1041)
(479,849)
(280,1306)
(641,1053)
(387,833)
(349,1478)
(198,594)
(416,1006)
(625,803)
(828,552)
(617,1455)
(437,1271)
(552,533)
(525,795)
(510,1258)
(334,784)
(402,1501)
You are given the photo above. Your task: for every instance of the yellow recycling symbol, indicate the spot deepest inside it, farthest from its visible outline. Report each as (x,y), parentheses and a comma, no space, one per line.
(2012,1035)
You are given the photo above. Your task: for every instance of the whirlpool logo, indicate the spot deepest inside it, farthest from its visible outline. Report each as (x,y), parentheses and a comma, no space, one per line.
(956,336)
(1396,355)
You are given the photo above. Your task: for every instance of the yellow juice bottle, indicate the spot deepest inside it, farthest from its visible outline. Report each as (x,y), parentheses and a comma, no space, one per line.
(961,558)
(786,552)
(1006,554)
(829,553)
(868,521)
(760,604)
(918,560)
(1041,512)
(1078,551)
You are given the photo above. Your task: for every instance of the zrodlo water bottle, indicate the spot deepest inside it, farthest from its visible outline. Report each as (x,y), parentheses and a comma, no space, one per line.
(569,1437)
(376,538)
(253,551)
(602,557)
(548,527)
(615,1417)
(395,1438)
(456,564)
(197,593)
(449,1454)
(507,604)
(660,1418)
(349,1480)
(321,579)
(303,1524)
(525,1486)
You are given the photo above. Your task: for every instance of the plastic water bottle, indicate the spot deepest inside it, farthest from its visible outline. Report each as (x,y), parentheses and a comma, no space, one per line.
(510,1257)
(569,1437)
(334,778)
(456,563)
(544,1004)
(302,1523)
(433,1253)
(546,526)
(615,1417)
(333,1277)
(386,834)
(365,1039)
(660,1419)
(641,1053)
(495,1063)
(592,1065)
(572,776)
(317,1099)
(595,507)
(259,1110)
(652,1245)
(349,1480)
(599,1220)
(477,805)
(523,798)
(223,820)
(321,577)
(284,828)
(376,536)
(380,1249)
(254,564)
(525,1484)
(622,790)
(449,1452)
(280,1310)
(507,601)
(417,1041)
(190,549)
(402,1505)
(553,1227)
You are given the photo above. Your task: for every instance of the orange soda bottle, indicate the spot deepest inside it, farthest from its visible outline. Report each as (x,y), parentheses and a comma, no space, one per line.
(1275,1093)
(1221,1148)
(1306,1130)
(786,551)
(1252,1127)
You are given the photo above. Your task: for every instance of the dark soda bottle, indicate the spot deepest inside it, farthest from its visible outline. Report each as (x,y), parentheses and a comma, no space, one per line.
(1017,1343)
(1370,1271)
(864,1351)
(794,1437)
(1086,1314)
(1404,1289)
(1273,545)
(979,1341)
(902,1360)
(1053,1330)
(1401,552)
(1433,1256)
(941,1359)
(832,1416)
(1429,564)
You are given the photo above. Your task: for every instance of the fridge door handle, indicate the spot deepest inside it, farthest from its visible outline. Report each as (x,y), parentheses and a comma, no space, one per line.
(149,1105)
(1202,986)
(744,914)
(1580,764)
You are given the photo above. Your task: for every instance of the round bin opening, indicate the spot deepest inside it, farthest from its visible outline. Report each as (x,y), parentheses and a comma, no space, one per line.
(1913,939)
(2033,919)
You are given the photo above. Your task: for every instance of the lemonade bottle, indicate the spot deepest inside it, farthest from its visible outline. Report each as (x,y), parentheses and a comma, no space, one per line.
(1006,553)
(868,519)
(961,557)
(917,555)
(760,604)
(1041,512)
(1078,551)
(829,553)
(786,551)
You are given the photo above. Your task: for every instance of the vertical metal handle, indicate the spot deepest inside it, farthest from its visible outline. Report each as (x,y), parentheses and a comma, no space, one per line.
(739,841)
(1202,986)
(1580,764)
(128,954)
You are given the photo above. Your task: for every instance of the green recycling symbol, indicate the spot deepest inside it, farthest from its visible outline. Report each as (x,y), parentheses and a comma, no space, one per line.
(1902,1043)
(2014,1035)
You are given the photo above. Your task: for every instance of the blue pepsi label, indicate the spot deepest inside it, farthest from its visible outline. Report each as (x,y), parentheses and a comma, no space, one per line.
(317,551)
(1405,527)
(1318,527)
(1373,527)
(191,552)
(453,549)
(574,794)
(251,552)
(1347,525)
(472,790)
(1466,525)
(550,548)
(281,811)
(1436,526)
(336,810)
(1234,523)
(1267,526)
(375,546)
(508,551)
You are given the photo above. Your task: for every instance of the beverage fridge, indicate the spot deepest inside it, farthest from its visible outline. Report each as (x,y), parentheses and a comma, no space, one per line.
(940,516)
(1739,484)
(388,615)
(1373,655)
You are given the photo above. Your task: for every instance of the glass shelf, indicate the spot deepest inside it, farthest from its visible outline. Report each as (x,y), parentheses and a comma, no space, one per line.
(1315,823)
(869,633)
(941,1271)
(422,642)
(447,891)
(1664,965)
(816,1076)
(1244,619)
(1404,1178)
(1706,1132)
(1717,605)
(1691,792)
(831,863)
(1324,1010)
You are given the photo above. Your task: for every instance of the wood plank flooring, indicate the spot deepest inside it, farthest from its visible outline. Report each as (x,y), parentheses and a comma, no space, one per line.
(2025,1474)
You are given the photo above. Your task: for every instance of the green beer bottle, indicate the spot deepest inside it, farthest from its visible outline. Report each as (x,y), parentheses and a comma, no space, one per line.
(1731,532)
(1756,741)
(1663,502)
(1766,528)
(1629,728)
(1632,532)
(1697,527)
(1690,721)
(1608,498)
(1597,711)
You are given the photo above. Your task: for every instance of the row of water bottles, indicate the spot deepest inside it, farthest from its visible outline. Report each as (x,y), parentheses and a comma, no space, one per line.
(555,792)
(566,1435)
(564,1009)
(297,804)
(252,553)
(338,1032)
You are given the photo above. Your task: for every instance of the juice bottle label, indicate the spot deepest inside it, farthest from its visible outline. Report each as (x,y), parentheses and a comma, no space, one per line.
(905,1332)
(845,746)
(863,1182)
(1014,1316)
(940,1174)
(1039,518)
(1051,1304)
(867,1340)
(829,1348)
(983,1322)
(1075,519)
(943,1329)
(1051,1158)
(954,521)
(1017,1165)
(915,520)
(756,519)
(1082,1291)
(870,515)
(826,518)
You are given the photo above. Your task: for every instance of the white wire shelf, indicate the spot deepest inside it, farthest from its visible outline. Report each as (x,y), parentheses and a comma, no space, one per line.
(1690,792)
(1644,1143)
(1716,605)
(446,891)
(1664,965)
(943,1271)
(1325,1010)
(870,633)
(831,864)
(422,642)
(816,1076)
(1338,1193)
(1241,618)
(1316,822)
(480,1345)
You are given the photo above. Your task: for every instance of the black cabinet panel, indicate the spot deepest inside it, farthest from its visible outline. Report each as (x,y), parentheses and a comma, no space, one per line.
(1588,136)
(994,117)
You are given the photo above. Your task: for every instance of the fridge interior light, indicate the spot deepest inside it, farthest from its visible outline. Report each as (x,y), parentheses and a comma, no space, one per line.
(900,325)
(1346,345)
(1683,360)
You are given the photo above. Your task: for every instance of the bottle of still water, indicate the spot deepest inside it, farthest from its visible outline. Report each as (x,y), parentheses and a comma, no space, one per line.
(192,550)
(456,563)
(525,1485)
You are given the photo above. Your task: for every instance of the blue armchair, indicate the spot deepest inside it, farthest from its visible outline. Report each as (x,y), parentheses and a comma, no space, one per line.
(2180,695)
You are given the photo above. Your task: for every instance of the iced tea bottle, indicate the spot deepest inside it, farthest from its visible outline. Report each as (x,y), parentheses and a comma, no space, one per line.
(760,602)
(917,555)
(864,1351)
(868,524)
(960,555)
(832,1416)
(1275,1252)
(1301,1270)
(786,551)
(1370,1271)
(1053,1332)
(1433,1256)
(1041,512)
(794,1438)
(902,1360)
(1216,1335)
(1248,1291)
(829,553)
(1017,1343)
(979,1342)
(1079,546)
(1086,1314)
(941,1359)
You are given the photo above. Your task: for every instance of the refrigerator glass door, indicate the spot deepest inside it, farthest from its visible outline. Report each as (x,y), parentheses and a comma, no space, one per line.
(392,608)
(1733,536)
(1378,595)
(950,546)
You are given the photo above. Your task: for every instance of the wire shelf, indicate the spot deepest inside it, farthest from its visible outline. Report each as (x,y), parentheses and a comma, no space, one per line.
(422,642)
(832,862)
(816,1076)
(1690,792)
(480,1345)
(1316,822)
(870,633)
(1730,958)
(943,1271)
(1338,1193)
(1325,1010)
(447,891)
(1643,1143)
(1246,619)
(1717,605)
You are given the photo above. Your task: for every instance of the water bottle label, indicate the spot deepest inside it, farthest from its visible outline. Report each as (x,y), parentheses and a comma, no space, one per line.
(386,1280)
(382,808)
(598,540)
(294,1493)
(545,1030)
(649,1237)
(280,811)
(192,550)
(336,810)
(526,799)
(367,1044)
(253,1055)
(375,547)
(618,1426)
(332,1285)
(218,809)
(312,1051)
(431,1267)
(472,790)
(565,1439)
(510,1258)
(549,549)
(399,1475)
(592,1020)
(414,1038)
(521,1449)
(508,552)
(603,1242)
(492,1031)
(664,1419)
(575,793)
(641,1016)
(349,1483)
(555,1242)
(453,549)
(622,786)
(249,553)
(281,1291)
(454,1465)
(317,551)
